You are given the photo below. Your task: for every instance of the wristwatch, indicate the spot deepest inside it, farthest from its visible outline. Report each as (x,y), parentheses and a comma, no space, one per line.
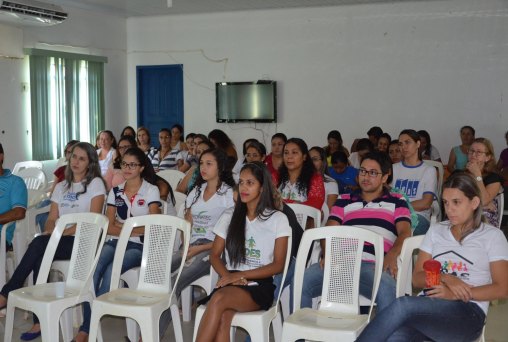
(479,178)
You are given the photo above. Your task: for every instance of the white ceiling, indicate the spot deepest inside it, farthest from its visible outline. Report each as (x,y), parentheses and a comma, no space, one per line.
(135,8)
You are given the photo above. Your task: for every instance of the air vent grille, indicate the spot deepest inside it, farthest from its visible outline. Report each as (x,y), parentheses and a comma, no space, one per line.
(45,13)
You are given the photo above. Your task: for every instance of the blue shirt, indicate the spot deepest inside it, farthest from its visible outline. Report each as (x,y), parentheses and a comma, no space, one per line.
(13,194)
(346,179)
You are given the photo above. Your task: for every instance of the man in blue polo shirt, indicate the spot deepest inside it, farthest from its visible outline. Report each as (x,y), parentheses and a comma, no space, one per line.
(13,197)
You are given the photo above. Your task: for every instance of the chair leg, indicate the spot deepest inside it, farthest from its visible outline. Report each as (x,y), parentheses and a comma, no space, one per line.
(199,314)
(9,322)
(95,326)
(277,327)
(66,324)
(132,329)
(49,327)
(150,331)
(177,326)
(186,299)
(258,333)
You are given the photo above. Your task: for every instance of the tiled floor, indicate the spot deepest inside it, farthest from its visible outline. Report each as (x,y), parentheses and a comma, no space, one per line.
(114,328)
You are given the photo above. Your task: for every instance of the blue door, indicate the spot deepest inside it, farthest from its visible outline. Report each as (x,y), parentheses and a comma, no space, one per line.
(160,97)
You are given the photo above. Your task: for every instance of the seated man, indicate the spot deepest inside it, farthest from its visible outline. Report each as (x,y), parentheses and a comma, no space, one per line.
(13,197)
(375,208)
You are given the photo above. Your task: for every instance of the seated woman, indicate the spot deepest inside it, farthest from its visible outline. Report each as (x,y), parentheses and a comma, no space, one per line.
(135,197)
(394,151)
(222,141)
(128,130)
(482,165)
(276,157)
(454,310)
(335,144)
(318,157)
(427,150)
(114,176)
(299,182)
(415,179)
(188,182)
(143,140)
(106,151)
(241,160)
(458,154)
(384,141)
(82,191)
(255,245)
(164,158)
(211,196)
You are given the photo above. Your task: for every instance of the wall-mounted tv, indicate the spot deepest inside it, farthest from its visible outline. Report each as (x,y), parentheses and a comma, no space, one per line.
(246,101)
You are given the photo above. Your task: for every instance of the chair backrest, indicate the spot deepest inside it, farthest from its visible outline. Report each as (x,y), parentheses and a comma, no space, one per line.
(159,237)
(179,200)
(405,272)
(34,178)
(91,231)
(164,208)
(343,258)
(440,176)
(35,196)
(25,165)
(173,177)
(303,212)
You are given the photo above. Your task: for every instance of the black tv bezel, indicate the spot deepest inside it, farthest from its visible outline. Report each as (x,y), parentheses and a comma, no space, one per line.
(218,120)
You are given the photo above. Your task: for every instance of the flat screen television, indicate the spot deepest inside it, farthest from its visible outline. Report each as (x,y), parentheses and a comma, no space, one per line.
(246,101)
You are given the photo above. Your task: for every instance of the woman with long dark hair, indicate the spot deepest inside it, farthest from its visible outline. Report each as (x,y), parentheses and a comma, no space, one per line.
(299,181)
(81,191)
(427,150)
(318,157)
(164,158)
(135,197)
(474,265)
(415,179)
(222,141)
(458,154)
(188,182)
(255,244)
(211,196)
(114,175)
(276,157)
(335,143)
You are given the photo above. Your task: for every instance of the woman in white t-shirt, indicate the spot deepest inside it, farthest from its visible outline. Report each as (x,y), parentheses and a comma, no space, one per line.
(107,150)
(135,197)
(474,265)
(415,179)
(82,191)
(210,197)
(255,244)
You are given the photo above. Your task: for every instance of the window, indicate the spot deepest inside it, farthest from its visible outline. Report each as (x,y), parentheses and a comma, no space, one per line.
(67,100)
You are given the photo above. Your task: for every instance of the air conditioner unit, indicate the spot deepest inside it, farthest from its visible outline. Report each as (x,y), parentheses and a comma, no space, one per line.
(30,13)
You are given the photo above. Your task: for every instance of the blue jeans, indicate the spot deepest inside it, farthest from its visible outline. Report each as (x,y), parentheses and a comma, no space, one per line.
(410,319)
(102,275)
(313,284)
(198,267)
(422,227)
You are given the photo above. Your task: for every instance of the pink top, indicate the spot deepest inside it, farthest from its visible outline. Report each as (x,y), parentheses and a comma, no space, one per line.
(113,177)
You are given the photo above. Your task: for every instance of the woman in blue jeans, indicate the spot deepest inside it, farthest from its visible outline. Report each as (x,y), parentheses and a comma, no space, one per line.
(474,271)
(135,197)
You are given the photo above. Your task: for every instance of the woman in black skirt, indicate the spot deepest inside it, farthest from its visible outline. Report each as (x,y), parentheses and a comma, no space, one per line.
(255,244)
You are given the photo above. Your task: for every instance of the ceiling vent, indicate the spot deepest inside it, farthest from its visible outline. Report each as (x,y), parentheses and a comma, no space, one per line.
(30,13)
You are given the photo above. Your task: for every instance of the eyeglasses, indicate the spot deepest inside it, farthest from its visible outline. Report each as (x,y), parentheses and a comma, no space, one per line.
(476,153)
(371,173)
(131,166)
(124,147)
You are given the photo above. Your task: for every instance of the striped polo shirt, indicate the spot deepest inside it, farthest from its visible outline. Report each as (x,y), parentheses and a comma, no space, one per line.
(380,216)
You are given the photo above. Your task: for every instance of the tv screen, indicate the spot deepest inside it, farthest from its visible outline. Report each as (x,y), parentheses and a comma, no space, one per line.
(246,101)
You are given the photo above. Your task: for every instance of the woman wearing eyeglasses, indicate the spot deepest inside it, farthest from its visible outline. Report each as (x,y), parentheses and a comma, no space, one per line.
(135,197)
(114,175)
(482,165)
(415,179)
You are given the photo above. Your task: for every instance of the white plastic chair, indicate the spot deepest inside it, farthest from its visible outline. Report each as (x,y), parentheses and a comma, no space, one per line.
(405,265)
(440,176)
(25,165)
(3,253)
(500,208)
(179,200)
(34,178)
(154,292)
(173,177)
(49,300)
(256,323)
(337,318)
(304,212)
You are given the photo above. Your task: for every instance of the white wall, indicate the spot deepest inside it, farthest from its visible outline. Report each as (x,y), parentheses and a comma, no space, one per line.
(82,32)
(434,65)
